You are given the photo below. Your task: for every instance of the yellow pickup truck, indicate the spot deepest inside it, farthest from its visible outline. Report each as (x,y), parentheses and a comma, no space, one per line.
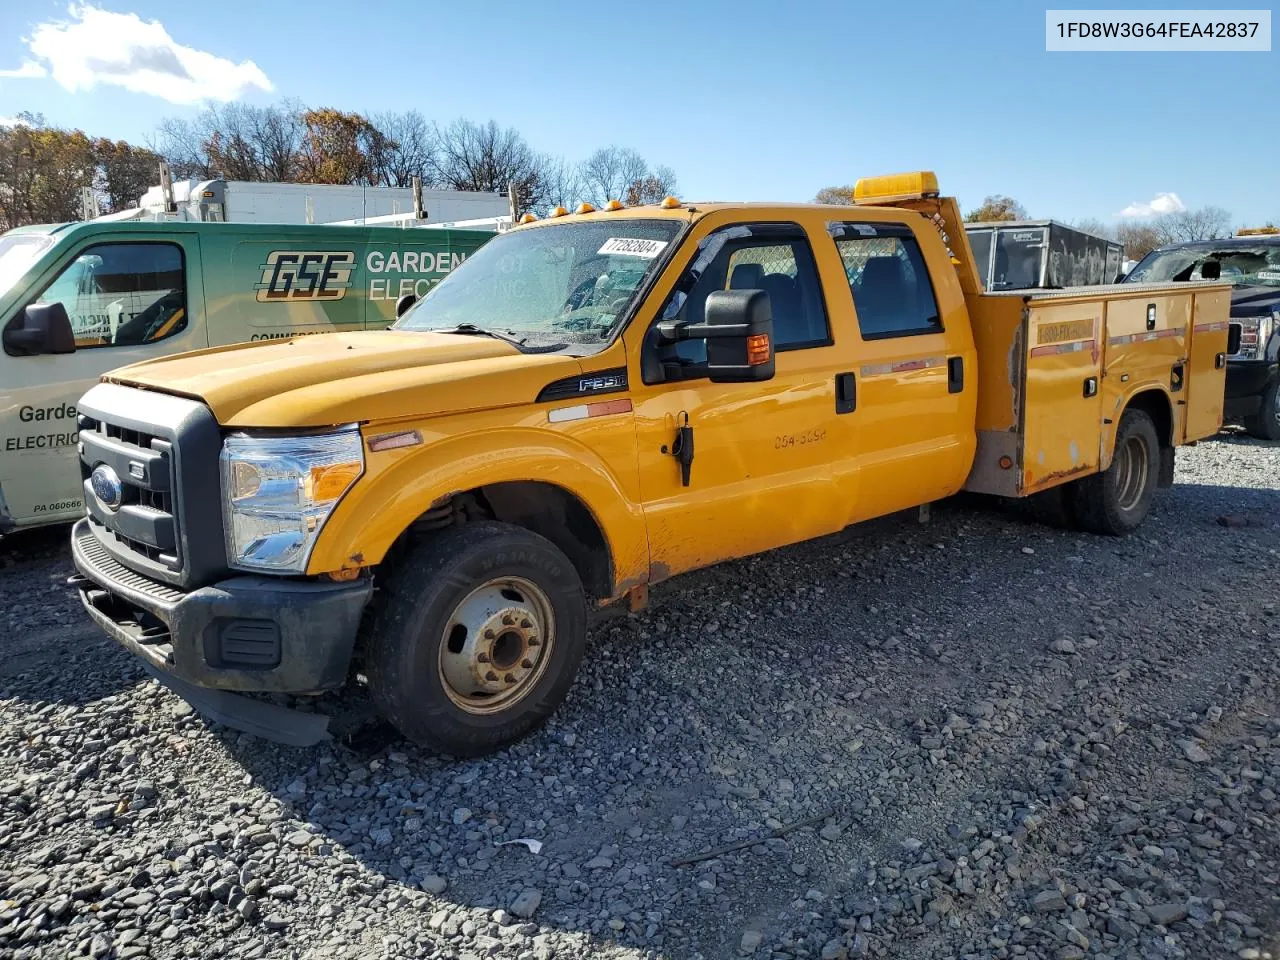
(592,403)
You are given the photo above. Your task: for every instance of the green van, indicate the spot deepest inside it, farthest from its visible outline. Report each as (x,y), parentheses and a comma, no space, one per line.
(79,299)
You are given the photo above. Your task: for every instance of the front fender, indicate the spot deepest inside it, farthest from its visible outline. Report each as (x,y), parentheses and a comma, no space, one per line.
(398,486)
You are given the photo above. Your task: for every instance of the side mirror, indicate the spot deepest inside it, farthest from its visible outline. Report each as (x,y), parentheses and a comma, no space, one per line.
(404,303)
(738,328)
(1211,270)
(40,328)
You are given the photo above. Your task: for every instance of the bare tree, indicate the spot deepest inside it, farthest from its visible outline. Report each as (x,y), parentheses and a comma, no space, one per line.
(561,184)
(485,157)
(610,171)
(413,153)
(237,141)
(652,187)
(1094,227)
(1207,223)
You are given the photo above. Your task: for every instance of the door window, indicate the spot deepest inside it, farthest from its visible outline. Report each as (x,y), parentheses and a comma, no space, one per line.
(892,294)
(775,258)
(122,294)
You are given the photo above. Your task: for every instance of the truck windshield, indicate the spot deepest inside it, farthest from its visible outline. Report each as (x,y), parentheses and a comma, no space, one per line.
(567,283)
(1254,264)
(17,254)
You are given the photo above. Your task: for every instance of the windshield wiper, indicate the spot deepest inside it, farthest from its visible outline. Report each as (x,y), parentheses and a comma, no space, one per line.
(471,330)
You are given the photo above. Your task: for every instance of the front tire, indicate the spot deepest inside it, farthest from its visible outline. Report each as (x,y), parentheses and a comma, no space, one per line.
(1265,424)
(477,639)
(1117,500)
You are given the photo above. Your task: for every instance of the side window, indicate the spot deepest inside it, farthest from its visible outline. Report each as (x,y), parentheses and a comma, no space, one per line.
(890,282)
(122,294)
(779,261)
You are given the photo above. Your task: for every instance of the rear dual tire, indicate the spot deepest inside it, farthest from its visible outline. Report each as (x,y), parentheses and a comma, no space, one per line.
(1115,501)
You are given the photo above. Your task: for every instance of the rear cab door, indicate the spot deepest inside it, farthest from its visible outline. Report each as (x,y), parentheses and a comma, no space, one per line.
(916,361)
(131,295)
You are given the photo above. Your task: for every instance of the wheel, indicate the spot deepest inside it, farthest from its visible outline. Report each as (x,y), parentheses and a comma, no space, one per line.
(1265,424)
(477,639)
(1117,500)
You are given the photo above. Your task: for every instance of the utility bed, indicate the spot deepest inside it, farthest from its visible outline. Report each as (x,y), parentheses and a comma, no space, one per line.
(1055,368)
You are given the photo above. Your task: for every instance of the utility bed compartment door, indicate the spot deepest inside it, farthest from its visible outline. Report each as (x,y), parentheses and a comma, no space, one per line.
(1207,363)
(1062,405)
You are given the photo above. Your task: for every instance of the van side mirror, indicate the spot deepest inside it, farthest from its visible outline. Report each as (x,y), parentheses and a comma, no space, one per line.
(738,328)
(404,303)
(40,328)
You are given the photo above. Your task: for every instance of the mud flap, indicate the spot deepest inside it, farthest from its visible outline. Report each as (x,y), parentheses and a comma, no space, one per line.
(1165,480)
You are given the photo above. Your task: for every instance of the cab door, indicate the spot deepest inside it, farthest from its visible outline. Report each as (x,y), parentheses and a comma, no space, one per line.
(128,301)
(768,458)
(917,382)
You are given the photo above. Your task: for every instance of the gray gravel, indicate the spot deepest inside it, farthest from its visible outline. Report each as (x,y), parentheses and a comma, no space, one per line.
(1004,739)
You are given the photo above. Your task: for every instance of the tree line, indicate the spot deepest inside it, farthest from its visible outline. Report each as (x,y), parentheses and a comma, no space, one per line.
(43,168)
(1139,237)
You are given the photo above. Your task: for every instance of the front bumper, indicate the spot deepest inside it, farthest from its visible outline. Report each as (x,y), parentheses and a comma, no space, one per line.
(245,634)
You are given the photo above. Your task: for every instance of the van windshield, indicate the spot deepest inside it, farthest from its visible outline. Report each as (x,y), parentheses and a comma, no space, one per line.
(17,254)
(569,283)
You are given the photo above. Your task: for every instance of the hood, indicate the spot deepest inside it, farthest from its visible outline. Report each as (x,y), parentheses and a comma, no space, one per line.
(1255,299)
(332,378)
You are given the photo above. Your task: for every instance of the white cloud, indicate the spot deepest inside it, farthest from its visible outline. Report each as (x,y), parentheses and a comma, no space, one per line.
(13,122)
(121,49)
(1160,203)
(29,69)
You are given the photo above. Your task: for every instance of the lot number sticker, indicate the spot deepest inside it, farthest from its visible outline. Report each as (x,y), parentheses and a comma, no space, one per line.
(625,247)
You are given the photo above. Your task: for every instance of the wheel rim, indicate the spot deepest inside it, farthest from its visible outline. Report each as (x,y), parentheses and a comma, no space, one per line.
(496,645)
(1275,407)
(1132,466)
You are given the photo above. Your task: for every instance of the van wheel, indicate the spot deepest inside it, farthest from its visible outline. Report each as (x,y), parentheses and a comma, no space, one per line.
(477,639)
(1265,424)
(1053,508)
(1117,500)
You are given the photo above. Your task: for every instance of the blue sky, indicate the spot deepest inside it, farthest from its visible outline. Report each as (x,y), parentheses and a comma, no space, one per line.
(746,100)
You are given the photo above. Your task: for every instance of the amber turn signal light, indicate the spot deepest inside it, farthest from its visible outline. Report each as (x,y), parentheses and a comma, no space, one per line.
(758,349)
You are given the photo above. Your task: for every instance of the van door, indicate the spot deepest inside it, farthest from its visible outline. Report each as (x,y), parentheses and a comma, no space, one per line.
(128,300)
(294,284)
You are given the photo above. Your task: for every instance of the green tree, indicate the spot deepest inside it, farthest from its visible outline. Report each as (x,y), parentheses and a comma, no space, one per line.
(340,147)
(835,195)
(997,207)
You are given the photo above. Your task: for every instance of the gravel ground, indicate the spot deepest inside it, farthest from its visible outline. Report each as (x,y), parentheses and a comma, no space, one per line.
(998,739)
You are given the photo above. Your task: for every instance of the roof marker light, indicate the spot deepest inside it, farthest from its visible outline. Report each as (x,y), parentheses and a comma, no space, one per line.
(558,212)
(585,208)
(614,205)
(670,203)
(528,218)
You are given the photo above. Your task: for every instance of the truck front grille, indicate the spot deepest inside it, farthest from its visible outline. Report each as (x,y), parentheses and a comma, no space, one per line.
(155,457)
(144,522)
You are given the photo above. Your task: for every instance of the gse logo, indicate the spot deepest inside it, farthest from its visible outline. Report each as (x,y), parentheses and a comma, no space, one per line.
(306,275)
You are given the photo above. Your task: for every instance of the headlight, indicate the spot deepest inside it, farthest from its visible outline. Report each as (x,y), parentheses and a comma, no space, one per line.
(1254,334)
(277,493)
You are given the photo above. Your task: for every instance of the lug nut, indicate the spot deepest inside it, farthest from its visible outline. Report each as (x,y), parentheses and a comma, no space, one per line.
(508,619)
(488,634)
(482,657)
(491,676)
(510,678)
(527,664)
(526,623)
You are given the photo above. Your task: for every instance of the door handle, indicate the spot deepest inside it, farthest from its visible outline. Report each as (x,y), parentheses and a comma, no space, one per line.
(846,393)
(1219,361)
(955,374)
